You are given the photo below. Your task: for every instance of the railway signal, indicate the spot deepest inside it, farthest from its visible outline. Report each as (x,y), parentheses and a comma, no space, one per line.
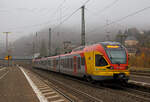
(8,58)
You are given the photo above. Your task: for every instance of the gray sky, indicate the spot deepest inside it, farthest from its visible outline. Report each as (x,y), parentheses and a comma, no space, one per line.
(22,17)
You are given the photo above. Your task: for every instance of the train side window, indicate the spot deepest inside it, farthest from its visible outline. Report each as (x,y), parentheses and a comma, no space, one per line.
(56,62)
(61,61)
(71,62)
(65,63)
(83,61)
(100,61)
(49,62)
(68,63)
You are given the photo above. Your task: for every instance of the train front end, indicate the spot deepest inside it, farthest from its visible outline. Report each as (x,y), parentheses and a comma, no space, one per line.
(111,62)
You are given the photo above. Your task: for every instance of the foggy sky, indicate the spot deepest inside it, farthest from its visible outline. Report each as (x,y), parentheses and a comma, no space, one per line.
(23,17)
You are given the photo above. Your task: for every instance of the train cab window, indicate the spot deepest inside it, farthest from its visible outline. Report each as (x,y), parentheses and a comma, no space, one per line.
(100,61)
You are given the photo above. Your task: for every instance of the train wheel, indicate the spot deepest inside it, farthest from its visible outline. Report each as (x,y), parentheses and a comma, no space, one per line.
(89,79)
(84,78)
(123,82)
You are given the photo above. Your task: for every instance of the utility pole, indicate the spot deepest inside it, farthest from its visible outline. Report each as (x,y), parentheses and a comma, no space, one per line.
(7,52)
(49,47)
(83,26)
(33,48)
(36,43)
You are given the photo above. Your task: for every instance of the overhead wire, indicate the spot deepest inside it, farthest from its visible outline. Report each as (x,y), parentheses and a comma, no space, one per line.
(95,15)
(68,17)
(65,19)
(47,22)
(108,6)
(123,18)
(104,9)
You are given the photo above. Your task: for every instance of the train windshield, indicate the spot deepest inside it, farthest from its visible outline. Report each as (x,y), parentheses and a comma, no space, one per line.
(117,56)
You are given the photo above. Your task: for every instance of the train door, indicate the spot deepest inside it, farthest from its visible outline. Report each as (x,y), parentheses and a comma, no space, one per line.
(75,64)
(79,71)
(89,62)
(83,65)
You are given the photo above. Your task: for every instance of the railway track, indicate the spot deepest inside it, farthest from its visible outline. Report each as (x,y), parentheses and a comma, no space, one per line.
(130,92)
(141,73)
(44,92)
(65,90)
(139,94)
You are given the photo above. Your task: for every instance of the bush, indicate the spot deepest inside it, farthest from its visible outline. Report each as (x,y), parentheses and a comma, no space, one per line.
(140,60)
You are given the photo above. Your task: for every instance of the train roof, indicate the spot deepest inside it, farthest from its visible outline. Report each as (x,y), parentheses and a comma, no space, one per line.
(82,49)
(109,43)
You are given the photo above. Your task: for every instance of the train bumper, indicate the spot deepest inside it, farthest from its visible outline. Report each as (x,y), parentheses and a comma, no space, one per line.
(100,78)
(110,76)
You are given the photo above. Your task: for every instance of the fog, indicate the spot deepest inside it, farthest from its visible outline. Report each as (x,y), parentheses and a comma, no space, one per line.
(26,17)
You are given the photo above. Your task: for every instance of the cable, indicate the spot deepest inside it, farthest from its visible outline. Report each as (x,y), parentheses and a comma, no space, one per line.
(95,15)
(125,17)
(47,22)
(44,23)
(67,18)
(71,15)
(105,8)
(108,6)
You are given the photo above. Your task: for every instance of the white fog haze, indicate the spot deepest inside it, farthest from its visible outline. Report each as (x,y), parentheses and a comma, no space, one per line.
(23,18)
(74,50)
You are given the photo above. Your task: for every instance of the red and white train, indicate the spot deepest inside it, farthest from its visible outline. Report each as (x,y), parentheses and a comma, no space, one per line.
(101,61)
